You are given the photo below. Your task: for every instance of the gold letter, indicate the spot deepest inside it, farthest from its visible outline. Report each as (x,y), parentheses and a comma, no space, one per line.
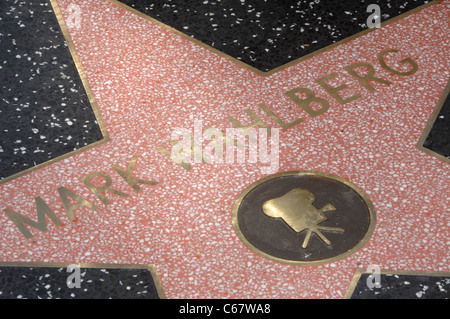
(304,104)
(64,192)
(414,69)
(364,80)
(239,134)
(104,188)
(42,210)
(257,122)
(127,175)
(173,157)
(277,120)
(333,91)
(216,144)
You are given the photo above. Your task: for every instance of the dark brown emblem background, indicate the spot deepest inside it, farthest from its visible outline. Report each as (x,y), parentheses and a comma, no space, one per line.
(336,215)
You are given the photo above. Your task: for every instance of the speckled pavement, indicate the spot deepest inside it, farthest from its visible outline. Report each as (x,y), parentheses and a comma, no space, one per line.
(109,110)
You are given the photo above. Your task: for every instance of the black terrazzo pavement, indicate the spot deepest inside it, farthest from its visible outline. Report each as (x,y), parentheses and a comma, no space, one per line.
(403,287)
(438,139)
(95,283)
(267,34)
(44,109)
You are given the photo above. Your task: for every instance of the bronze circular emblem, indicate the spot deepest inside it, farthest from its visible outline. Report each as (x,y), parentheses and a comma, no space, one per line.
(303,218)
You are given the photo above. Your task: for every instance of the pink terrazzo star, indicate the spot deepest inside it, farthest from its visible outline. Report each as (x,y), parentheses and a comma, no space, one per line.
(148,81)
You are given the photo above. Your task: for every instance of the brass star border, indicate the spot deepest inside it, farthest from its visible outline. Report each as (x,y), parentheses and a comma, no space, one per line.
(359,272)
(429,126)
(89,93)
(284,66)
(150,267)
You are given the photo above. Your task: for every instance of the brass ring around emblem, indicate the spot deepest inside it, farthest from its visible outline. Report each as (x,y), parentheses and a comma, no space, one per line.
(303,217)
